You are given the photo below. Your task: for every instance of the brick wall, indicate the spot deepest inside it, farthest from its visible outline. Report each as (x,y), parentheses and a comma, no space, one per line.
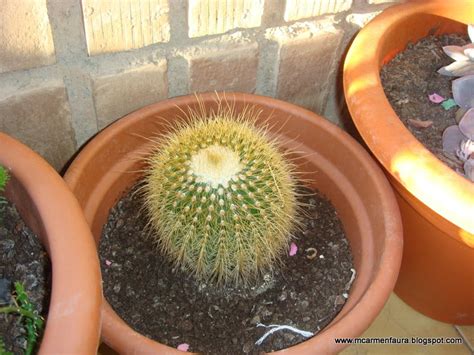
(68,68)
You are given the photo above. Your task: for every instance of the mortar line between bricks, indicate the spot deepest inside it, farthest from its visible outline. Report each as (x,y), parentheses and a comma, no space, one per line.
(71,55)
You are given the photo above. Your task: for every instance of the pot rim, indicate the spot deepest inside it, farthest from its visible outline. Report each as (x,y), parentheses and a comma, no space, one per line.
(369,304)
(411,166)
(51,210)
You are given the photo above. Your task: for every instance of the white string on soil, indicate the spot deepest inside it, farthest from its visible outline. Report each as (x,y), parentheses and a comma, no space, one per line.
(276,328)
(303,333)
(353,276)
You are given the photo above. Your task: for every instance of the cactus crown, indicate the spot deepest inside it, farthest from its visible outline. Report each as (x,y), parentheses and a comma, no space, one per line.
(221,197)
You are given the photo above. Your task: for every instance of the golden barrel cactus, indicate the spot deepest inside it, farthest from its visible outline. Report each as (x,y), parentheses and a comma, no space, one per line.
(221,197)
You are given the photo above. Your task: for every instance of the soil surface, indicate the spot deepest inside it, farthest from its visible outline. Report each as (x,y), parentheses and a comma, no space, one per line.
(408,80)
(22,259)
(174,309)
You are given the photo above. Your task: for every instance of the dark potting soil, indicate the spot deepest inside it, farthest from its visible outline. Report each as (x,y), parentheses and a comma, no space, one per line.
(410,77)
(172,308)
(22,259)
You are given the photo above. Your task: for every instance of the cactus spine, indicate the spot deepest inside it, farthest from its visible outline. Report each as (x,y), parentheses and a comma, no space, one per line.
(221,197)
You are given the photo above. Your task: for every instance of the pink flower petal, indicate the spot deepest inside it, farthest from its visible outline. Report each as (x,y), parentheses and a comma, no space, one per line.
(108,262)
(436,98)
(183,347)
(293,249)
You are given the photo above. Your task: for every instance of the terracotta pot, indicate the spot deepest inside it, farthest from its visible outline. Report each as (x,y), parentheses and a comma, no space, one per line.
(110,164)
(437,205)
(50,209)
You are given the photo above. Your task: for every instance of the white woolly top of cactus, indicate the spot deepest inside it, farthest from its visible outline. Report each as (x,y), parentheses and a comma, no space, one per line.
(463,56)
(215,165)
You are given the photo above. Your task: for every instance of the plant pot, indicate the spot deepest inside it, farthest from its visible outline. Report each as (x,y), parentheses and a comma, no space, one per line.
(50,209)
(337,166)
(437,205)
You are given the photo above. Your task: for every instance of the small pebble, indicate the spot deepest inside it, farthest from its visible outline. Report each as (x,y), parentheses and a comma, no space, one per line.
(30,282)
(304,304)
(247,347)
(255,320)
(7,245)
(119,223)
(339,300)
(5,291)
(283,296)
(266,314)
(21,269)
(156,301)
(31,239)
(278,343)
(311,253)
(130,292)
(21,342)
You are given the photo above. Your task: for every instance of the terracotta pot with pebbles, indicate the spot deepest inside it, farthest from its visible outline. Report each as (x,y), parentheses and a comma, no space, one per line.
(38,205)
(260,226)
(431,178)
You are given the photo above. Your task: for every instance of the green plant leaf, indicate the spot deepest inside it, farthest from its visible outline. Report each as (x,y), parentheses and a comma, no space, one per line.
(4,176)
(32,321)
(34,324)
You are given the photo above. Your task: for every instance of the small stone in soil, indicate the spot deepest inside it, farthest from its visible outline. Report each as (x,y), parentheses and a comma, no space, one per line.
(5,294)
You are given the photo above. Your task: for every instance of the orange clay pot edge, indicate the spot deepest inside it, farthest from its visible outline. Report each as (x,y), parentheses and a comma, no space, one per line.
(408,161)
(73,322)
